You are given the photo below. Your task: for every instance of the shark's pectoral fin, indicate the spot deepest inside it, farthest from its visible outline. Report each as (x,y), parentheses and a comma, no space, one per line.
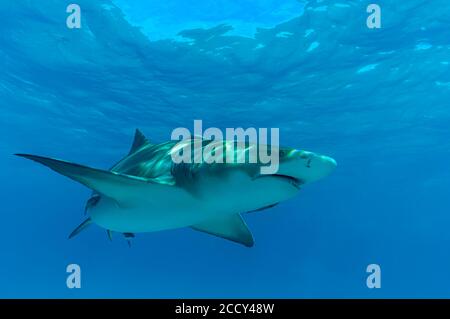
(117,186)
(263,208)
(231,227)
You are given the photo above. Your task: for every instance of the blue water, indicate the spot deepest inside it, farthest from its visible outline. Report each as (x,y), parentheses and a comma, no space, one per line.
(375,100)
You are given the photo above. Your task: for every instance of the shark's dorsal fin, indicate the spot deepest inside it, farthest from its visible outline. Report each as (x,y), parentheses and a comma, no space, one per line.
(120,187)
(139,141)
(231,227)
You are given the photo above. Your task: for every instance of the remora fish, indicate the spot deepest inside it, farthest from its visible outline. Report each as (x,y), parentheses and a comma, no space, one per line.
(146,191)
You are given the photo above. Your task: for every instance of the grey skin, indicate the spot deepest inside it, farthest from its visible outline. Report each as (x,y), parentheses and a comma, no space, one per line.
(146,191)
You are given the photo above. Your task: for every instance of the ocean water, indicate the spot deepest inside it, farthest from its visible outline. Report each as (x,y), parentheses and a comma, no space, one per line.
(376,100)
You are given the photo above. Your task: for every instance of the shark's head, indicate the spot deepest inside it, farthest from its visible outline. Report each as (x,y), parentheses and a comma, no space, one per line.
(303,166)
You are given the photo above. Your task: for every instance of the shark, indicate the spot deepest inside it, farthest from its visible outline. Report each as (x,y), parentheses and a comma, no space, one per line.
(146,191)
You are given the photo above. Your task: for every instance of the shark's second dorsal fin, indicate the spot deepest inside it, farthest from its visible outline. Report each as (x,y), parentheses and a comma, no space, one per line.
(139,141)
(231,227)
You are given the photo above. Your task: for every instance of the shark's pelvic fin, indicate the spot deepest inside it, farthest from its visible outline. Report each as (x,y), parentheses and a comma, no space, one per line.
(128,237)
(80,228)
(91,202)
(139,141)
(231,227)
(107,183)
(110,234)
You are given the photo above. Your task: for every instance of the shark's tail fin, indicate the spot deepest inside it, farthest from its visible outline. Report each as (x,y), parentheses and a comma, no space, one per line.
(80,228)
(104,182)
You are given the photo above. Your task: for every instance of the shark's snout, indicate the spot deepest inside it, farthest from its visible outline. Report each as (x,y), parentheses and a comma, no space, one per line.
(325,164)
(317,166)
(306,166)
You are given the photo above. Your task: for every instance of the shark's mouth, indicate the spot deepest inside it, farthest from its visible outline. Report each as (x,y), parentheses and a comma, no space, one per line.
(296,182)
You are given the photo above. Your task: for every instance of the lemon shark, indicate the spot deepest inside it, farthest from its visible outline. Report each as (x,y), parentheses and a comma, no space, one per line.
(146,191)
